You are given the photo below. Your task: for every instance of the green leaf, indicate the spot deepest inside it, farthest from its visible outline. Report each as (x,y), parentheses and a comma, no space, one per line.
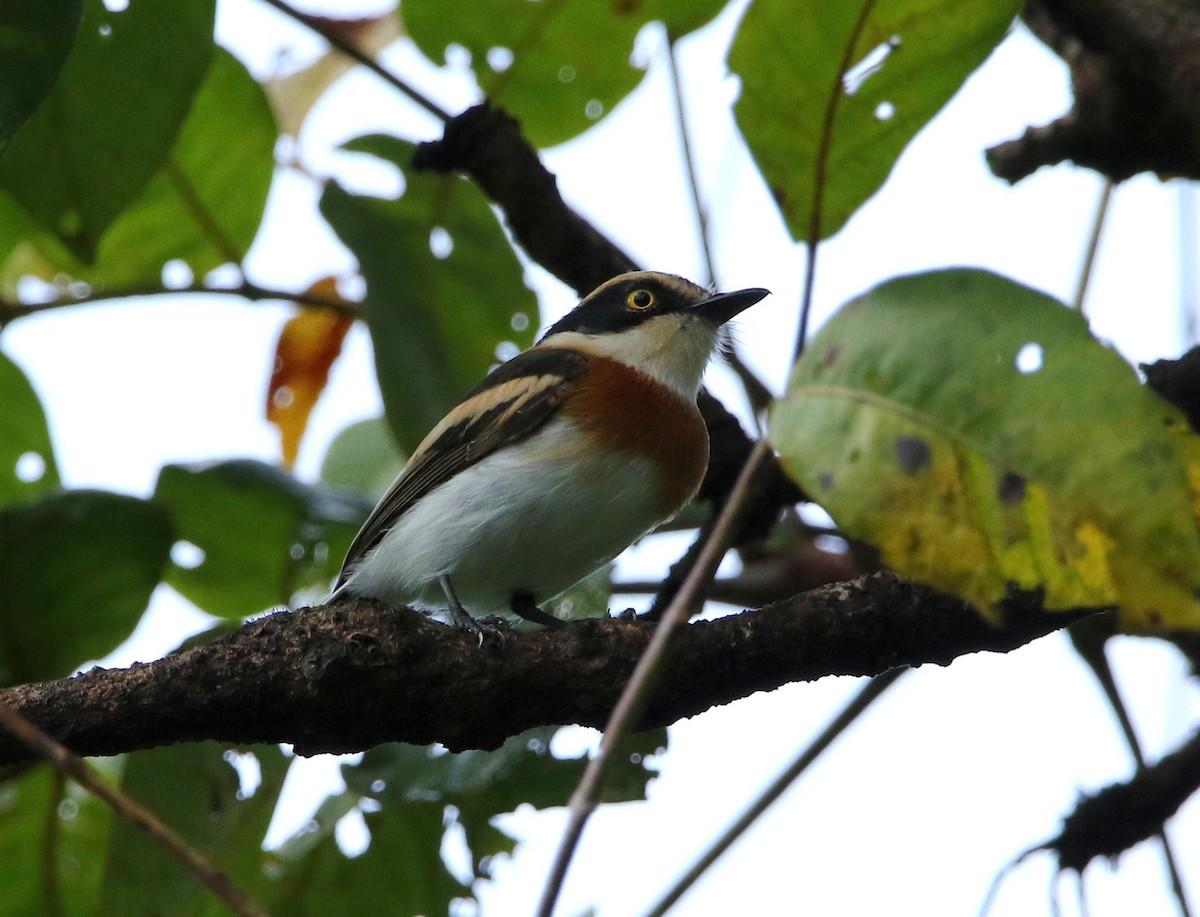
(35,38)
(203,207)
(194,789)
(76,572)
(27,466)
(435,322)
(484,784)
(823,147)
(107,125)
(402,866)
(976,432)
(30,806)
(261,534)
(363,458)
(569,62)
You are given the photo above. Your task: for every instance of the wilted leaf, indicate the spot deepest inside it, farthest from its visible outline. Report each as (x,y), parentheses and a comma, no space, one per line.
(106,127)
(832,92)
(27,466)
(558,67)
(76,572)
(37,36)
(436,320)
(202,208)
(975,432)
(255,534)
(308,344)
(293,96)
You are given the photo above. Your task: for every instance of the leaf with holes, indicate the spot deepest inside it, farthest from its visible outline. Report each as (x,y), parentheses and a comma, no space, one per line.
(37,39)
(833,92)
(27,466)
(308,344)
(110,120)
(558,67)
(203,207)
(252,535)
(76,572)
(976,432)
(443,287)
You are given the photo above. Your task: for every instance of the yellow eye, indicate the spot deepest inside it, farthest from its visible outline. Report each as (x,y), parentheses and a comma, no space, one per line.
(640,300)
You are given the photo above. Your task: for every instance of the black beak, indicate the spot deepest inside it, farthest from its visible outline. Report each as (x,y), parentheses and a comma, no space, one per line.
(721,307)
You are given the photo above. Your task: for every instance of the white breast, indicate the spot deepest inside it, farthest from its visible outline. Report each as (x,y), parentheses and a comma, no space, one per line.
(495,529)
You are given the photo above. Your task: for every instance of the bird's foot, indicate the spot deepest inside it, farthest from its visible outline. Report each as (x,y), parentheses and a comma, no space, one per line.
(523,606)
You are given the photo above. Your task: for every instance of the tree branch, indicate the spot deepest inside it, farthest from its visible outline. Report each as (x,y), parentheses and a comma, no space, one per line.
(1137,89)
(347,677)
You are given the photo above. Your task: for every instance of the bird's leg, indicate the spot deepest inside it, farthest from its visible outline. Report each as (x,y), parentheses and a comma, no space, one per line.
(523,606)
(462,618)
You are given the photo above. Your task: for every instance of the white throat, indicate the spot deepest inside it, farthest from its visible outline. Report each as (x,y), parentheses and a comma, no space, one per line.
(674,349)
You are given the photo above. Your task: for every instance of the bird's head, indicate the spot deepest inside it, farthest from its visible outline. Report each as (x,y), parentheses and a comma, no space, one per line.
(660,324)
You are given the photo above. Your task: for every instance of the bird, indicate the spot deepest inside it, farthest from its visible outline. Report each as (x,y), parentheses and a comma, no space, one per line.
(557,461)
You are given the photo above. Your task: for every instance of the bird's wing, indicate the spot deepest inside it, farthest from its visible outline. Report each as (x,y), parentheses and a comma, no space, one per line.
(514,400)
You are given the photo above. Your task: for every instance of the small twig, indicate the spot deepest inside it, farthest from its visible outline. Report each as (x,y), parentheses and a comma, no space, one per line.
(10,310)
(1089,257)
(71,765)
(869,693)
(348,48)
(813,239)
(645,676)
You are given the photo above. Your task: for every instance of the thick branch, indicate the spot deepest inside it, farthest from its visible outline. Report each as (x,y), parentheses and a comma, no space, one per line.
(344,678)
(1137,89)
(486,143)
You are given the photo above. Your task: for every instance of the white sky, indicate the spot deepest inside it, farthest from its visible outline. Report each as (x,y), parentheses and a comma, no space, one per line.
(958,769)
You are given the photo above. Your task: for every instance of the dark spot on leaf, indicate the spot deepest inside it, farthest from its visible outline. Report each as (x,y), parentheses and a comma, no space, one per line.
(626,7)
(825,480)
(913,453)
(831,356)
(780,197)
(1011,490)
(1154,617)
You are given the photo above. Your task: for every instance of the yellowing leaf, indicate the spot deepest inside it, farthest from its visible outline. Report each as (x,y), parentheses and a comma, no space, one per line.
(308,344)
(976,432)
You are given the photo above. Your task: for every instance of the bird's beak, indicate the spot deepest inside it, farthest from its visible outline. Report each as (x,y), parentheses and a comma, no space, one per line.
(722,307)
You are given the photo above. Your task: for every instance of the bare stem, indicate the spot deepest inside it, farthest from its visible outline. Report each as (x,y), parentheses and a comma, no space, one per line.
(10,310)
(1089,257)
(645,676)
(858,704)
(71,765)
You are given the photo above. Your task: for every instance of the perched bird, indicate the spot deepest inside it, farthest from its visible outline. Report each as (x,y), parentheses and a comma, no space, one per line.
(555,463)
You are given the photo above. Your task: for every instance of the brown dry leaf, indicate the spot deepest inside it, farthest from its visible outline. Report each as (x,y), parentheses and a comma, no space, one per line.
(308,344)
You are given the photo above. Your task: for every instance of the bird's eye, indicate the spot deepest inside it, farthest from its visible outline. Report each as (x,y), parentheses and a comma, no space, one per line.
(640,300)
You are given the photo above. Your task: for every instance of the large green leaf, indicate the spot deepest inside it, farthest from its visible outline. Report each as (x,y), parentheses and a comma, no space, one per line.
(27,466)
(363,458)
(483,784)
(203,207)
(41,817)
(402,866)
(35,38)
(435,322)
(261,534)
(107,125)
(557,66)
(194,790)
(76,572)
(825,141)
(976,432)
